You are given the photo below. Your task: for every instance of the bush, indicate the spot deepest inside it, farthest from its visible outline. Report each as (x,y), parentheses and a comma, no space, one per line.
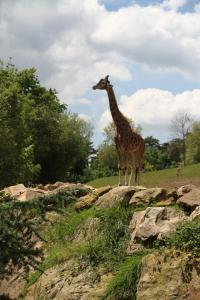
(18,222)
(187,237)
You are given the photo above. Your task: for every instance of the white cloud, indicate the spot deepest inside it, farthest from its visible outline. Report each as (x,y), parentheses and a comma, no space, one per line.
(197,8)
(173,4)
(157,38)
(154,109)
(72,43)
(84,117)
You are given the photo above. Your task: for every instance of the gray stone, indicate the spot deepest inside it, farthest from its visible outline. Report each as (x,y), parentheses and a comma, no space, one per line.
(145,197)
(195,214)
(190,200)
(115,196)
(154,223)
(70,281)
(162,277)
(16,190)
(185,189)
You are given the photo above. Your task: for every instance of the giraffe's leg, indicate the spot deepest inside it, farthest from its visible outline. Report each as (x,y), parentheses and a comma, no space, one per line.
(119,175)
(125,171)
(138,172)
(132,169)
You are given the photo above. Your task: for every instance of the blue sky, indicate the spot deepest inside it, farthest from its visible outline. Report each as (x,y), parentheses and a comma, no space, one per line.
(150,49)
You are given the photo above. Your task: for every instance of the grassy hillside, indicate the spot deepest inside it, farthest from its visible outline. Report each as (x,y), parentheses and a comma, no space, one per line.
(189,174)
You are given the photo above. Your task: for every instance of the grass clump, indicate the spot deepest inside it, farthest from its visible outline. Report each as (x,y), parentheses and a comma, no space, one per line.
(124,284)
(186,237)
(110,246)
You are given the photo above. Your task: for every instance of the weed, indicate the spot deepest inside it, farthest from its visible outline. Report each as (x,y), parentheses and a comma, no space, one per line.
(124,283)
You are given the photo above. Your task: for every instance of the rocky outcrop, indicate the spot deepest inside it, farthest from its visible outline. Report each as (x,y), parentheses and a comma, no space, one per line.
(16,190)
(195,214)
(22,193)
(70,281)
(88,231)
(154,223)
(169,276)
(191,199)
(147,196)
(117,195)
(185,189)
(30,194)
(89,199)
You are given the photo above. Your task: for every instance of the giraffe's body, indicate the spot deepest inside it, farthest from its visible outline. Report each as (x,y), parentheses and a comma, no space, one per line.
(129,144)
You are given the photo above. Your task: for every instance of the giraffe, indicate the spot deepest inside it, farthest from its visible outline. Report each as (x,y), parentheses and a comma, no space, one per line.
(129,144)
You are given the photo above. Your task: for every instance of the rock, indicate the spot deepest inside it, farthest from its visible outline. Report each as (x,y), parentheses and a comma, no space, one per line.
(78,189)
(115,196)
(169,276)
(13,286)
(154,223)
(185,189)
(103,190)
(195,214)
(16,190)
(145,197)
(168,202)
(69,281)
(30,194)
(87,200)
(134,248)
(88,230)
(190,200)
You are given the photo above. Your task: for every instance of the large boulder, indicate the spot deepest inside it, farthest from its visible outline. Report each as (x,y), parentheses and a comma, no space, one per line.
(15,190)
(30,194)
(190,200)
(169,276)
(195,214)
(70,280)
(146,197)
(116,195)
(87,200)
(185,189)
(154,223)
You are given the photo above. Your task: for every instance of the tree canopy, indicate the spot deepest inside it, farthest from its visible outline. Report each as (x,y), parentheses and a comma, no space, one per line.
(40,140)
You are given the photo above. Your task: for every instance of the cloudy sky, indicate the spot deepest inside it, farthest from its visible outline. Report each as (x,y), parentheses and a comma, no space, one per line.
(150,49)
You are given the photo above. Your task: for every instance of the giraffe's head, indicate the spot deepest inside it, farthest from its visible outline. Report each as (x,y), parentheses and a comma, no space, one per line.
(103,84)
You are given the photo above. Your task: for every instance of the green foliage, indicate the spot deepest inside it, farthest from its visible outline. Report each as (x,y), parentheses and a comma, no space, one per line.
(39,139)
(193,144)
(110,245)
(187,237)
(18,222)
(124,284)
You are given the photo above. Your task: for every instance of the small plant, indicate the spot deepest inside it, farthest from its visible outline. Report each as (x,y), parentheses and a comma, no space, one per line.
(187,237)
(124,284)
(110,245)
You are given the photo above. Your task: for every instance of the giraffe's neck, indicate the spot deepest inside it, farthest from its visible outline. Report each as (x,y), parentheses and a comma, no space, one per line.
(118,118)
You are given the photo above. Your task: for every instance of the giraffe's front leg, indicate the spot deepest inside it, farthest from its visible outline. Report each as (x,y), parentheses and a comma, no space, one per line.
(119,175)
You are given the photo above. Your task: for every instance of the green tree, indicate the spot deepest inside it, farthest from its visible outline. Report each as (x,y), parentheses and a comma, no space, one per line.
(193,144)
(39,139)
(181,126)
